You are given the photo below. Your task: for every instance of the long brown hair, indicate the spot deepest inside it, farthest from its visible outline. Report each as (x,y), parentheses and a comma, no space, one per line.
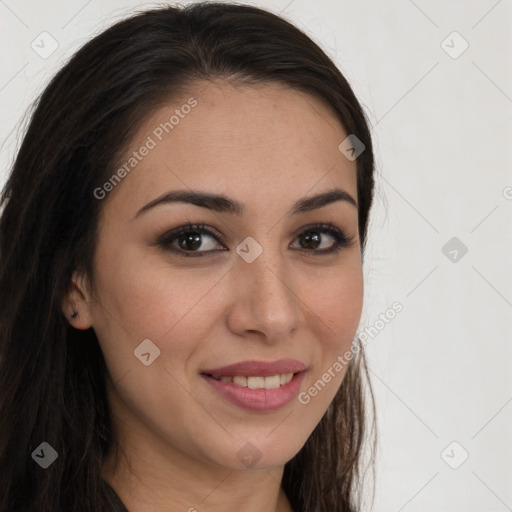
(53,377)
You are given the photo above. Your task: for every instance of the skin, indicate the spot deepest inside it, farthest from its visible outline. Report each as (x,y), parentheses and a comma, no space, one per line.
(265,146)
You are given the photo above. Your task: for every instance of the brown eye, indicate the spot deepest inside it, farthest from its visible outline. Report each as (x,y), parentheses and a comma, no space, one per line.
(187,240)
(321,234)
(190,241)
(310,239)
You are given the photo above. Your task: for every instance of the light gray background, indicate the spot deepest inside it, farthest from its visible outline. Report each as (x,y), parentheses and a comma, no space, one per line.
(442,129)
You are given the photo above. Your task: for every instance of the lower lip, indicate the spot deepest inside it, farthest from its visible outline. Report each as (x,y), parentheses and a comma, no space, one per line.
(257,399)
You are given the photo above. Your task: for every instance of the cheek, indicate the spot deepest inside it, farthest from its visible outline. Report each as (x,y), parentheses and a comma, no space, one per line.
(336,305)
(336,298)
(150,296)
(145,298)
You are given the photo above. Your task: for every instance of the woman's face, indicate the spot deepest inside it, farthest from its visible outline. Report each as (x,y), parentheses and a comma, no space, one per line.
(259,285)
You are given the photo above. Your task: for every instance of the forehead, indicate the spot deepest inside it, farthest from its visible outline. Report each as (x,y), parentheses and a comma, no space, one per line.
(258,141)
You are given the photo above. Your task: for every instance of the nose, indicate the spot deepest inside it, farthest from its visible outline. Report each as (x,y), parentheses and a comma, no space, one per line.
(265,299)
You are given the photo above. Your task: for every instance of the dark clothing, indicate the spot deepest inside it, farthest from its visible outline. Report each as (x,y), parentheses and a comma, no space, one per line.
(119,504)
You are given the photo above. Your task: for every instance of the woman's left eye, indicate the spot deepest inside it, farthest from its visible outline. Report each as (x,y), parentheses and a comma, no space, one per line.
(187,240)
(314,236)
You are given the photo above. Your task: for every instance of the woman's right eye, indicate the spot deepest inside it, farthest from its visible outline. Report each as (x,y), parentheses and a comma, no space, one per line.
(187,240)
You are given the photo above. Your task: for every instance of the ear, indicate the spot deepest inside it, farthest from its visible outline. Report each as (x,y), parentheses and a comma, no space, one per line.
(76,303)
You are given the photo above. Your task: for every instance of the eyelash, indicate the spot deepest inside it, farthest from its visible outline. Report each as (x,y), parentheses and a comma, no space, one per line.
(341,239)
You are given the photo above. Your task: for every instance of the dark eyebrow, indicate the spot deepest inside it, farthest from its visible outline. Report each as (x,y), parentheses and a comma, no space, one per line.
(223,204)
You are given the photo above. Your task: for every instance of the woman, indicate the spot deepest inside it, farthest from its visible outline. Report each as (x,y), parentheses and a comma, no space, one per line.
(181,274)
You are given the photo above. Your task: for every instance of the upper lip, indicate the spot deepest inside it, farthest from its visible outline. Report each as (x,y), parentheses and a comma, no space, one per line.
(258,368)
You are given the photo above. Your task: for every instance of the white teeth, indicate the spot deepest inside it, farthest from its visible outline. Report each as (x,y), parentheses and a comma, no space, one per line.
(239,380)
(255,382)
(251,382)
(272,382)
(286,377)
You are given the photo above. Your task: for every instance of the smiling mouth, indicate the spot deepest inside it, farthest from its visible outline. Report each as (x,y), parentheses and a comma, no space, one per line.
(257,393)
(257,381)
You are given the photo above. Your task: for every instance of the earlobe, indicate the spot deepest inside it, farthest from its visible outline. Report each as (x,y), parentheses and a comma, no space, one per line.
(76,303)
